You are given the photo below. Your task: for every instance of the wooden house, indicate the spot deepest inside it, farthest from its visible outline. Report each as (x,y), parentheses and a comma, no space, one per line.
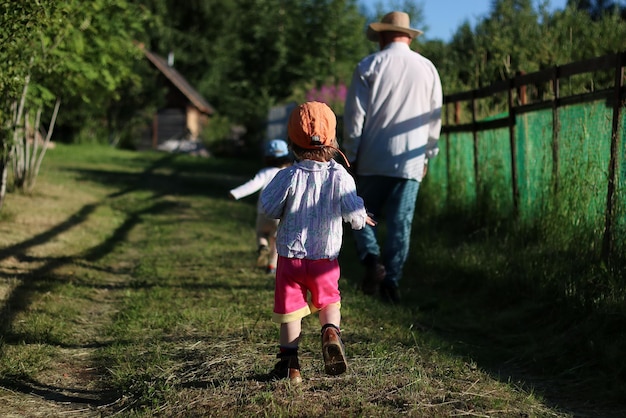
(185,113)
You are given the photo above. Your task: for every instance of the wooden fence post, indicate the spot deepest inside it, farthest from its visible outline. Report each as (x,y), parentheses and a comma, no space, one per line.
(512,142)
(607,242)
(556,128)
(475,138)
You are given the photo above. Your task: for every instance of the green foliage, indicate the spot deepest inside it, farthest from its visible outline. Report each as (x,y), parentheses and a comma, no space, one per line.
(578,36)
(516,36)
(245,56)
(597,9)
(71,48)
(219,129)
(249,55)
(72,51)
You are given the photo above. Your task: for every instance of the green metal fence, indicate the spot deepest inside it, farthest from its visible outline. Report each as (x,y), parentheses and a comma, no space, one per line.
(545,161)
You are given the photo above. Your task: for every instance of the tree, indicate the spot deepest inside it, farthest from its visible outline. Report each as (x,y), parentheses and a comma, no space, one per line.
(51,50)
(598,8)
(515,36)
(460,61)
(17,20)
(509,39)
(575,35)
(245,56)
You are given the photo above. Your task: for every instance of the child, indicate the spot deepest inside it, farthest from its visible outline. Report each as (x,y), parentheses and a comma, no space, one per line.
(311,198)
(276,158)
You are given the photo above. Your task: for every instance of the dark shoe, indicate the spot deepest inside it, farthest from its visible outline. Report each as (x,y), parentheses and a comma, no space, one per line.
(333,350)
(263,256)
(389,293)
(287,368)
(374,274)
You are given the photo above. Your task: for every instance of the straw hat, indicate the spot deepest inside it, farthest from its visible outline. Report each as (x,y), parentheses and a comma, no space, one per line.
(394,21)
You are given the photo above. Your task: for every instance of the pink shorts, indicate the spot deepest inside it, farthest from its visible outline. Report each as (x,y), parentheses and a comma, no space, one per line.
(296,278)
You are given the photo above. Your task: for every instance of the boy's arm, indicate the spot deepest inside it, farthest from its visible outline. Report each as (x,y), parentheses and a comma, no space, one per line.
(251,186)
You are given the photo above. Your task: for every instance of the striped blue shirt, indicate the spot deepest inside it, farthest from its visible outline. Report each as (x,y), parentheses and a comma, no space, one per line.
(311,199)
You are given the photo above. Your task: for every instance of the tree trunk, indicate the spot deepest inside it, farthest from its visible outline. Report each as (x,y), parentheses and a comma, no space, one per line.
(36,158)
(4,171)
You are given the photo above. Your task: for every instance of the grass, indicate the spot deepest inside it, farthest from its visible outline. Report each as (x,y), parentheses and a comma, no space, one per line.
(128,288)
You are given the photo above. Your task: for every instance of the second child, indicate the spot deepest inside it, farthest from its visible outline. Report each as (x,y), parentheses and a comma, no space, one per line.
(277,157)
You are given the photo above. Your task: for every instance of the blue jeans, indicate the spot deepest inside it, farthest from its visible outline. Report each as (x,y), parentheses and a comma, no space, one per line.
(395,199)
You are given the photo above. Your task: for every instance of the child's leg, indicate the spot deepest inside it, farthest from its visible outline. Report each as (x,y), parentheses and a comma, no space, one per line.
(290,306)
(266,238)
(262,240)
(261,230)
(332,346)
(331,314)
(288,367)
(324,290)
(262,243)
(272,257)
(290,334)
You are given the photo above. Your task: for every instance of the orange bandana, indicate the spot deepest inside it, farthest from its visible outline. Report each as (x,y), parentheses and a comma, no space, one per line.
(313,125)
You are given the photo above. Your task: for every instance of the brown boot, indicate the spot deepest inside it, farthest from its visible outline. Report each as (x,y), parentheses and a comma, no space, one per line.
(374,274)
(333,350)
(287,368)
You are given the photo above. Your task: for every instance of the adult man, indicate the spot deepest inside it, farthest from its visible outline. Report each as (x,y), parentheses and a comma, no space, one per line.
(392,121)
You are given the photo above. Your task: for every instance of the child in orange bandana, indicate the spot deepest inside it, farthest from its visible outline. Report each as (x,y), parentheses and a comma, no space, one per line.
(311,198)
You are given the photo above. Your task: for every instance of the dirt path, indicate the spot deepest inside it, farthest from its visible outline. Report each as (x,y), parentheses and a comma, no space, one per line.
(39,254)
(71,384)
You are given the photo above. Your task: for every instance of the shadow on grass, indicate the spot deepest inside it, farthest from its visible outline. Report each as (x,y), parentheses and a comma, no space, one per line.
(510,310)
(42,280)
(63,395)
(175,175)
(166,176)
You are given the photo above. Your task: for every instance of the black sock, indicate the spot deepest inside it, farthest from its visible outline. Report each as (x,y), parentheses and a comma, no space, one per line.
(287,351)
(331,326)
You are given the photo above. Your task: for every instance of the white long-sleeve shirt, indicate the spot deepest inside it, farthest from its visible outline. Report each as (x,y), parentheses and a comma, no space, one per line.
(392,117)
(311,199)
(258,182)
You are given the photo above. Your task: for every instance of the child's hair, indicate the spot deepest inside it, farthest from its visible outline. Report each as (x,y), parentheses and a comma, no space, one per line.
(325,153)
(278,161)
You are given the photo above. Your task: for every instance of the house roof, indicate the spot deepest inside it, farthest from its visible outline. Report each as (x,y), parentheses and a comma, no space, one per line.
(179,81)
